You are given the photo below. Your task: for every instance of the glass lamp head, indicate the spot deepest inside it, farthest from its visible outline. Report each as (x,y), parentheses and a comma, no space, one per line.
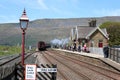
(24,21)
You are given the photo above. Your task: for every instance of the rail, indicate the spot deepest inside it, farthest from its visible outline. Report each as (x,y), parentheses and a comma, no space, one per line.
(57,69)
(98,69)
(68,67)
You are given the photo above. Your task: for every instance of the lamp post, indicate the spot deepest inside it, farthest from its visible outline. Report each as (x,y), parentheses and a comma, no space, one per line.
(23,25)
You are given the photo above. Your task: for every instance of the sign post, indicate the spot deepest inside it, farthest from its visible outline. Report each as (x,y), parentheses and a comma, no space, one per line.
(30,72)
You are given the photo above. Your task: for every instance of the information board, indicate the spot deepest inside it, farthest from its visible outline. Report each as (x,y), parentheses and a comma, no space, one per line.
(30,72)
(46,69)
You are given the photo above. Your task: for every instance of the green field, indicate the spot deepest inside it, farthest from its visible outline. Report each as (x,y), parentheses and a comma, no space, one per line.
(8,50)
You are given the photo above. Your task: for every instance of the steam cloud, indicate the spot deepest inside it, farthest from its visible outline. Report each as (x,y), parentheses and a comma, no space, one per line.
(58,42)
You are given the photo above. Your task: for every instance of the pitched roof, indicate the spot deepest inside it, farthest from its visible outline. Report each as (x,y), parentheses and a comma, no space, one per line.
(86,31)
(83,31)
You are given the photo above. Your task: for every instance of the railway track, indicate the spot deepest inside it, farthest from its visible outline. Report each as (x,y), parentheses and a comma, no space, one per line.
(48,61)
(99,72)
(12,59)
(6,58)
(67,72)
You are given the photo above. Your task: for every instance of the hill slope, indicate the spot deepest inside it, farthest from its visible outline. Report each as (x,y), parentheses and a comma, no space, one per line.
(45,29)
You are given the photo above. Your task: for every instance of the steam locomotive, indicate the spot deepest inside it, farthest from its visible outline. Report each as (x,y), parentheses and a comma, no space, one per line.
(41,46)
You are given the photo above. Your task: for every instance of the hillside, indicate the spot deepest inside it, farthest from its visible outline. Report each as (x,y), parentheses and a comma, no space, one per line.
(45,29)
(70,22)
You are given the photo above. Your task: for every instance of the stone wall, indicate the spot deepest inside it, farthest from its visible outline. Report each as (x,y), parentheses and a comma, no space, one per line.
(98,36)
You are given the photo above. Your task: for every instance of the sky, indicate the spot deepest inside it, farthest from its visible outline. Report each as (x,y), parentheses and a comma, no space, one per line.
(11,10)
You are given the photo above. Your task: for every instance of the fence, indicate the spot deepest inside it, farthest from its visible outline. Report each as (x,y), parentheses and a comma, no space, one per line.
(7,72)
(46,75)
(96,50)
(114,54)
(19,72)
(16,72)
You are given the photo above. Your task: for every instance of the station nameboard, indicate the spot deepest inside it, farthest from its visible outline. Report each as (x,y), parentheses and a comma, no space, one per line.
(30,72)
(46,69)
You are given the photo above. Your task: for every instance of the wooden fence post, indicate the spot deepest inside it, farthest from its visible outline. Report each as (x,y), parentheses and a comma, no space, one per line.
(15,71)
(117,56)
(114,55)
(54,74)
(19,72)
(109,53)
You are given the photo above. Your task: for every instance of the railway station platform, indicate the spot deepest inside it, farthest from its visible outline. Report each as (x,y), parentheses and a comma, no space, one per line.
(96,56)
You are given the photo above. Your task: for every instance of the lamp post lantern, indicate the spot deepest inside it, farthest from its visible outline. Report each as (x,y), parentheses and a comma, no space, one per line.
(23,25)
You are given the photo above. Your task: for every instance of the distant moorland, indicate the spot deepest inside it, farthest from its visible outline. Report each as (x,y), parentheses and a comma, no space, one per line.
(45,29)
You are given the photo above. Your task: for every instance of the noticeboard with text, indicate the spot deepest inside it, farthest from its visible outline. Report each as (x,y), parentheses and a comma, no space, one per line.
(30,72)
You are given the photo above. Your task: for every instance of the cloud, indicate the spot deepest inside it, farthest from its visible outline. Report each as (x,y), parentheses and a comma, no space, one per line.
(42,4)
(107,12)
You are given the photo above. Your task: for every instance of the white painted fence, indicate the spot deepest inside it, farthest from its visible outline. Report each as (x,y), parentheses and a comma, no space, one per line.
(96,50)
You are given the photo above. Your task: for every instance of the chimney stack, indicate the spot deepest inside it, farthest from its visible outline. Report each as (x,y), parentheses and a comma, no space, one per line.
(92,23)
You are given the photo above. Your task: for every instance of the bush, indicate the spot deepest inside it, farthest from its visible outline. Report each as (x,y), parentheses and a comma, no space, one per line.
(113,29)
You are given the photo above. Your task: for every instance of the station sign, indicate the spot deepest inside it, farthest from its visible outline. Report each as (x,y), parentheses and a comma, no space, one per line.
(30,72)
(46,69)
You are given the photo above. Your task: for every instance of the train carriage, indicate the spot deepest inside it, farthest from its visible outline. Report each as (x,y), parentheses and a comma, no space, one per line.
(41,46)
